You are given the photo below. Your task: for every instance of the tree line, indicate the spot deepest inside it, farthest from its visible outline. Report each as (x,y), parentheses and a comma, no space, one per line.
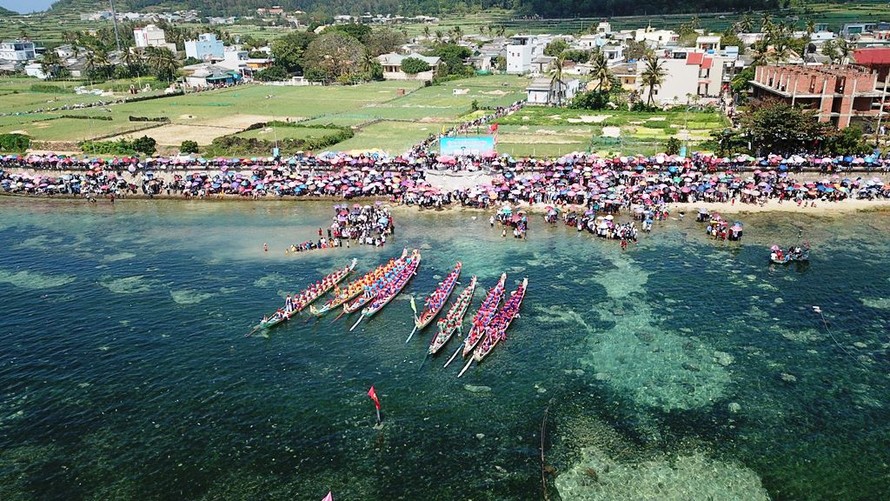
(543,8)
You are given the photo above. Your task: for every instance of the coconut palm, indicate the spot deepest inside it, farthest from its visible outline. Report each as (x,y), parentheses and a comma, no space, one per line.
(426,31)
(162,61)
(745,25)
(556,80)
(766,22)
(844,50)
(50,64)
(810,27)
(599,70)
(652,77)
(458,33)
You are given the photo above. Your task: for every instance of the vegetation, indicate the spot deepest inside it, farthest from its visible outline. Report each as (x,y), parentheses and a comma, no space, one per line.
(236,145)
(188,147)
(14,143)
(652,77)
(413,66)
(335,57)
(320,10)
(142,145)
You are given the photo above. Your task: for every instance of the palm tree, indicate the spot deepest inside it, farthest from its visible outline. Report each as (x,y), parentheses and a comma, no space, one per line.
(439,36)
(810,27)
(501,30)
(746,24)
(844,50)
(458,33)
(50,64)
(766,22)
(426,31)
(130,58)
(599,70)
(556,80)
(652,77)
(162,62)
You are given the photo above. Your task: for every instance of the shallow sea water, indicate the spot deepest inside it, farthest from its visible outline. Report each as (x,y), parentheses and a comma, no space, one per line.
(680,369)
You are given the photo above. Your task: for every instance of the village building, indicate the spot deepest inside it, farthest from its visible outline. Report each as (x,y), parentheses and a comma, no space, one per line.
(18,51)
(151,36)
(839,95)
(392,66)
(205,47)
(549,91)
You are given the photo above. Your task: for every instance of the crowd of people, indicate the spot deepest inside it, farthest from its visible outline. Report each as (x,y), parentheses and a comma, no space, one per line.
(605,184)
(363,224)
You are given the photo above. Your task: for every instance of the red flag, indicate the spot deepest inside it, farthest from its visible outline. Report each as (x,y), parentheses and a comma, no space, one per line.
(373,395)
(493,128)
(329,497)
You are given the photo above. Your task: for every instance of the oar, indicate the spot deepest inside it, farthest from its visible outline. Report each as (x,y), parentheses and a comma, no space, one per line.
(424,360)
(461,373)
(412,332)
(258,327)
(453,356)
(356,324)
(338,316)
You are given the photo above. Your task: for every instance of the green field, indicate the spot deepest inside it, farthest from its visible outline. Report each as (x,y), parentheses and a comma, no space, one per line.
(390,115)
(275,133)
(537,131)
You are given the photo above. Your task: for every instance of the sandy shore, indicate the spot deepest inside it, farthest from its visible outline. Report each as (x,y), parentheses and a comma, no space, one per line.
(447,181)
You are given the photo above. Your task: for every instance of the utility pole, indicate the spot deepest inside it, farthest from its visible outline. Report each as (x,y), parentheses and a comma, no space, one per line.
(881,114)
(117,38)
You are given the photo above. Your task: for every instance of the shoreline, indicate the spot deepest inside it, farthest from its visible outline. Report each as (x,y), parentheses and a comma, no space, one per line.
(847,206)
(450,181)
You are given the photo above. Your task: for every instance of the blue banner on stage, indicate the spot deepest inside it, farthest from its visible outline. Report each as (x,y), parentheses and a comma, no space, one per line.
(466,145)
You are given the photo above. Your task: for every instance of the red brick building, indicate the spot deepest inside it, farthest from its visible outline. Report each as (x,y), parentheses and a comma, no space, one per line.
(875,58)
(840,95)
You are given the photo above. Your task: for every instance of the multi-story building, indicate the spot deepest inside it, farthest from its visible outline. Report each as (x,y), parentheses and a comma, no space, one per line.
(151,36)
(18,50)
(205,47)
(839,95)
(521,50)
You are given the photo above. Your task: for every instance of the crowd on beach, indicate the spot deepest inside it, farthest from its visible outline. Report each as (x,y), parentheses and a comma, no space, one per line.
(362,224)
(602,184)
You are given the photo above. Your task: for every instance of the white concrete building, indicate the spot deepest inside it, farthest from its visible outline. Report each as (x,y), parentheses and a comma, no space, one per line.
(17,50)
(588,42)
(546,91)
(656,38)
(691,75)
(708,43)
(392,66)
(34,70)
(151,36)
(206,47)
(522,49)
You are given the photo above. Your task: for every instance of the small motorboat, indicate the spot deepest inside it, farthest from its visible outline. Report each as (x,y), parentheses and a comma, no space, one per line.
(794,253)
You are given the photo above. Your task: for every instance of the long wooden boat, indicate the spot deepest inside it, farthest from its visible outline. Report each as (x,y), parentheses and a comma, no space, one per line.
(356,287)
(484,314)
(453,319)
(316,290)
(305,298)
(497,329)
(374,288)
(393,288)
(437,300)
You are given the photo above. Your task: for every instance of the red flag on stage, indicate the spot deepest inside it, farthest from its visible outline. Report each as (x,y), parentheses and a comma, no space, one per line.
(373,395)
(493,128)
(329,497)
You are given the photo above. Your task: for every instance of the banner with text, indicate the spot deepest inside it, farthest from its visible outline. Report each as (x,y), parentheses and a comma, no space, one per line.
(466,145)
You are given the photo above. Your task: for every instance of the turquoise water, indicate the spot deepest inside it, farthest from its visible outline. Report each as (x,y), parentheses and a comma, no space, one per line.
(124,371)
